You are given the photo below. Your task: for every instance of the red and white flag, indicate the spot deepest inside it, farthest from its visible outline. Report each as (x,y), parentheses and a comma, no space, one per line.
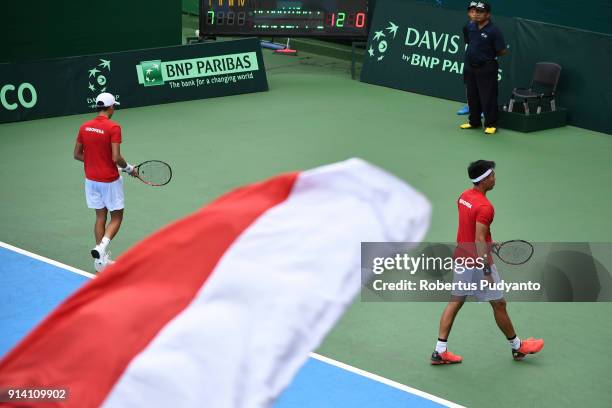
(221,308)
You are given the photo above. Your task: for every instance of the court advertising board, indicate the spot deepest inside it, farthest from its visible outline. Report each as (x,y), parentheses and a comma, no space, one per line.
(137,78)
(420,48)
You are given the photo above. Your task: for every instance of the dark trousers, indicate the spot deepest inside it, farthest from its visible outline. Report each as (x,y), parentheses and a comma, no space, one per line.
(481,85)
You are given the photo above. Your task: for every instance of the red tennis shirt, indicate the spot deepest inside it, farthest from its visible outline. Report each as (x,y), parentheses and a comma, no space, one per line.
(96,136)
(473,207)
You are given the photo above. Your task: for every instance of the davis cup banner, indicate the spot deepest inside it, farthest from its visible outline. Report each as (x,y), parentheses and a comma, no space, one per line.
(420,48)
(136,78)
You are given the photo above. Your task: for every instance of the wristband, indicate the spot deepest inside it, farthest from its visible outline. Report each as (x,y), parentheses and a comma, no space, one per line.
(128,169)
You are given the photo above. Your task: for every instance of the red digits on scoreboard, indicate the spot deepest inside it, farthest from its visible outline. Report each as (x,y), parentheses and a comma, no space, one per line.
(342,20)
(360,20)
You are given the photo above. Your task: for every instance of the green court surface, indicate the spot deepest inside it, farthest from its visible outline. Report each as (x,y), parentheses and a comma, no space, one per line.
(551,186)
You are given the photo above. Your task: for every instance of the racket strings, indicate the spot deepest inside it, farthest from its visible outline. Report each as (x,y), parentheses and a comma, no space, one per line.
(157,173)
(515,252)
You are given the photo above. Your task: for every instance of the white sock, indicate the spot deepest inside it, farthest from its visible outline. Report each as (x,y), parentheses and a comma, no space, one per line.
(441,346)
(104,244)
(515,343)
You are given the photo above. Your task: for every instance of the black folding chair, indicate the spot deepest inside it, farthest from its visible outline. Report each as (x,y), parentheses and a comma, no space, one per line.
(543,86)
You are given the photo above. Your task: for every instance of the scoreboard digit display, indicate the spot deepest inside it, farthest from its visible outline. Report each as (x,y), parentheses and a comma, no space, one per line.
(291,18)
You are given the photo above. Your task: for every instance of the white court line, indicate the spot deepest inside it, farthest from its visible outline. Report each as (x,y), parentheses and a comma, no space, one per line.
(47,260)
(385,381)
(319,357)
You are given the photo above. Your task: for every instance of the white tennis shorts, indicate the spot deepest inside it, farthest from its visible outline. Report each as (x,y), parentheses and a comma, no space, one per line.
(104,195)
(474,277)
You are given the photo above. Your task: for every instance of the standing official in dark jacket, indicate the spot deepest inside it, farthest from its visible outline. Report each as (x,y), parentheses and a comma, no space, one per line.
(485,42)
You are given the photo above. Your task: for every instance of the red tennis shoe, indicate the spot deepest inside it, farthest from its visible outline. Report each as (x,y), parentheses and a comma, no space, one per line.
(528,346)
(445,358)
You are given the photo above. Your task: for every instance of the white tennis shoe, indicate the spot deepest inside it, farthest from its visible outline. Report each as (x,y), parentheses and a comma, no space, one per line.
(100,264)
(97,252)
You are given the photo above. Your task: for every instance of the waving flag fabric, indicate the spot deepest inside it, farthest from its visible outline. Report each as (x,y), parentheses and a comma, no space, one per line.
(221,308)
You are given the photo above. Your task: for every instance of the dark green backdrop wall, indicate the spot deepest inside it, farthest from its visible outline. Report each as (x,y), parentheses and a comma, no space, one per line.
(594,15)
(33,30)
(191,6)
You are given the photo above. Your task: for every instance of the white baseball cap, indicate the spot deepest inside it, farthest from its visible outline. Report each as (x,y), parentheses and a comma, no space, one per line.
(104,100)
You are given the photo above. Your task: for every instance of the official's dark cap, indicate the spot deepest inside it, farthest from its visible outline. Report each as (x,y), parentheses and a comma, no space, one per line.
(482,6)
(472,5)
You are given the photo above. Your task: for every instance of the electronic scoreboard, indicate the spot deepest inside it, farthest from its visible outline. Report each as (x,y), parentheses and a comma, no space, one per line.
(290,18)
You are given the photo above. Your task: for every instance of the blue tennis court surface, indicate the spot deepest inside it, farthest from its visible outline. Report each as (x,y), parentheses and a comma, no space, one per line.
(319,384)
(30,288)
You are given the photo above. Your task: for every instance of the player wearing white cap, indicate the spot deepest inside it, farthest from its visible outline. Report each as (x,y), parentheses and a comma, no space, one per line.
(98,147)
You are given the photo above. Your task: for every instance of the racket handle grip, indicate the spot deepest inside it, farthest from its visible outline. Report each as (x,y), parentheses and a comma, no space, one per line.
(486,270)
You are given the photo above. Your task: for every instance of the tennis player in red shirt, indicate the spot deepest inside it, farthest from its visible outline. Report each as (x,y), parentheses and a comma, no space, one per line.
(97,146)
(476,215)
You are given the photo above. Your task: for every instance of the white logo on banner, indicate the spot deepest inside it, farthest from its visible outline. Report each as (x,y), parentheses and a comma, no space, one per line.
(98,81)
(379,45)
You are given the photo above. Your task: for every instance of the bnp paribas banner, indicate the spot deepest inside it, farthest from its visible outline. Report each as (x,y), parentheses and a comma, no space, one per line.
(420,48)
(136,78)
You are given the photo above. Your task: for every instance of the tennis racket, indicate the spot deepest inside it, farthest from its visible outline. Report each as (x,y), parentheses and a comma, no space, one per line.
(514,252)
(154,172)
